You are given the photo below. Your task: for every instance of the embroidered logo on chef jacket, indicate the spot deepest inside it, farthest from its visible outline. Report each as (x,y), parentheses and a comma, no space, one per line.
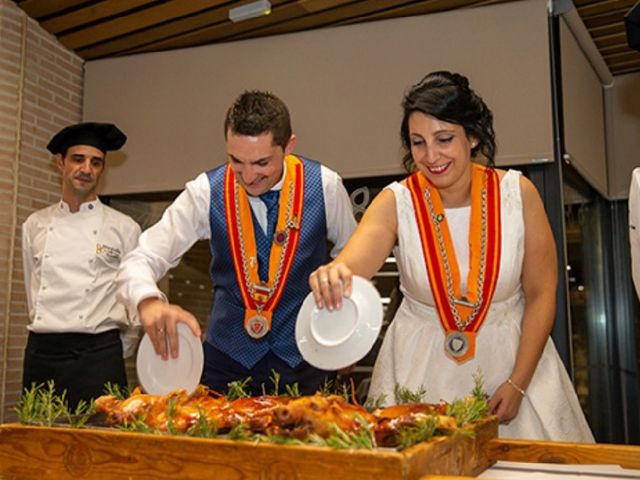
(107,251)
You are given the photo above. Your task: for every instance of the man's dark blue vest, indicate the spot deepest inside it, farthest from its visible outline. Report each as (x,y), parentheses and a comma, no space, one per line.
(226,331)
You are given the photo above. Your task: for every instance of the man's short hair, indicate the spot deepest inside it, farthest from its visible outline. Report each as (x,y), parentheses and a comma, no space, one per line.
(255,113)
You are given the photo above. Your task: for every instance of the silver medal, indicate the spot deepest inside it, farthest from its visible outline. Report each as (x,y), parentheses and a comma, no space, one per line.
(257,327)
(456,344)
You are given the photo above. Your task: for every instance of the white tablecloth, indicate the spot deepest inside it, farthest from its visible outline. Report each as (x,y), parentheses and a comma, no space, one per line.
(551,471)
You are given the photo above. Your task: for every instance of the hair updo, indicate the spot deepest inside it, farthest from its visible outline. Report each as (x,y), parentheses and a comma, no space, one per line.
(447,97)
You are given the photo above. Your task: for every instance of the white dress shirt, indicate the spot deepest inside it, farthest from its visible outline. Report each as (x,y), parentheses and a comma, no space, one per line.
(70,264)
(634,227)
(186,221)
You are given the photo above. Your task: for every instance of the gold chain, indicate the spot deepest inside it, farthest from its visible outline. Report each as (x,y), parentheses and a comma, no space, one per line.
(451,298)
(243,254)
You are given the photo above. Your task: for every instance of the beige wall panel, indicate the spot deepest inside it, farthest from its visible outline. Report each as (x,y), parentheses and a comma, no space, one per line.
(343,85)
(583,107)
(623,132)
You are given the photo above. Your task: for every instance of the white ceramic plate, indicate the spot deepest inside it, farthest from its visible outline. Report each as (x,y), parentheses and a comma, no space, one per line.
(337,339)
(159,377)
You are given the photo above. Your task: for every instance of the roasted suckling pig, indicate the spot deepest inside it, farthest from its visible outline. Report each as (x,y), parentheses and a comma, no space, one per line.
(298,418)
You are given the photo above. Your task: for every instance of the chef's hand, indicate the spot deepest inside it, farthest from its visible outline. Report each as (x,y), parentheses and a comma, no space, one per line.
(505,403)
(160,321)
(329,283)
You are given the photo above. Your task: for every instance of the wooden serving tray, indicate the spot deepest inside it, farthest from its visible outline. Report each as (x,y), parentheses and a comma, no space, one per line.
(41,452)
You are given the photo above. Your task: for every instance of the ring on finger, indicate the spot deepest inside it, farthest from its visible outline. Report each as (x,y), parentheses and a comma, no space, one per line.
(324,280)
(161,330)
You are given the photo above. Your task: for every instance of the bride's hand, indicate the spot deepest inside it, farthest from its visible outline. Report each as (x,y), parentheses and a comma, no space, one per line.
(329,283)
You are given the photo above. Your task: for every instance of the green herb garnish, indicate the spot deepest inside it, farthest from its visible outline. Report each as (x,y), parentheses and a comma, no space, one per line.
(41,405)
(404,395)
(203,427)
(237,389)
(372,403)
(362,439)
(121,393)
(422,431)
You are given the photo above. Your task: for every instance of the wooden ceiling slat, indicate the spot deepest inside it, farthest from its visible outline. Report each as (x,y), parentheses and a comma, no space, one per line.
(356,14)
(91,14)
(625,64)
(135,21)
(602,7)
(322,19)
(105,28)
(424,9)
(629,55)
(314,6)
(605,30)
(41,8)
(233,31)
(153,36)
(633,68)
(608,40)
(600,20)
(613,49)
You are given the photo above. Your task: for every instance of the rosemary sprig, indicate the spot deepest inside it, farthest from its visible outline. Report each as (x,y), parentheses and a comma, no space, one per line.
(171,410)
(478,386)
(404,395)
(472,408)
(137,425)
(237,389)
(362,439)
(327,387)
(241,432)
(422,431)
(343,389)
(275,379)
(203,427)
(372,403)
(81,415)
(121,393)
(292,390)
(280,440)
(40,405)
(468,410)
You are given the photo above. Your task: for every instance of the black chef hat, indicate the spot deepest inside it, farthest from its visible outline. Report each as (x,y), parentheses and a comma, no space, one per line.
(103,136)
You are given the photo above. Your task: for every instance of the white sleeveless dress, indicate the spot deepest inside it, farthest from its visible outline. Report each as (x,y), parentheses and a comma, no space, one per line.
(412,354)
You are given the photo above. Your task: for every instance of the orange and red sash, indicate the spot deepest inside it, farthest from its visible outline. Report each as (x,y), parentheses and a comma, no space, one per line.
(261,298)
(439,255)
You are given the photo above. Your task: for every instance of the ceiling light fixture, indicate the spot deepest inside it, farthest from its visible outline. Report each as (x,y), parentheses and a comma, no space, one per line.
(250,10)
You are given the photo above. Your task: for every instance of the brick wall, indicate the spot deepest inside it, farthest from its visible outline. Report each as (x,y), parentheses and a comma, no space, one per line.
(41,88)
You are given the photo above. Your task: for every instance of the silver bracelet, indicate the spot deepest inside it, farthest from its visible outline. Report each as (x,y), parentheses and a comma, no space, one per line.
(520,390)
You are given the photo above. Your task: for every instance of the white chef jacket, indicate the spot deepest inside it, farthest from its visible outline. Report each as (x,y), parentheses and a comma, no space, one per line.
(186,221)
(634,227)
(70,264)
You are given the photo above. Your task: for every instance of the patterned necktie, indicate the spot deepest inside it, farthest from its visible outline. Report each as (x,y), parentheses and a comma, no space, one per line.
(263,242)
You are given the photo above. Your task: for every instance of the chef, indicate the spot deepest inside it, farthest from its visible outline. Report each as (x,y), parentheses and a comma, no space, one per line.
(71,253)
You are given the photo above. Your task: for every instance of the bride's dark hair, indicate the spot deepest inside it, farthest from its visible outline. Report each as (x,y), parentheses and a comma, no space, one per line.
(447,97)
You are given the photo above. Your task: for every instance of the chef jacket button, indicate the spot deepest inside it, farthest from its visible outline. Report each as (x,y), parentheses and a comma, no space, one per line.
(51,229)
(80,317)
(90,206)
(95,232)
(44,287)
(86,290)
